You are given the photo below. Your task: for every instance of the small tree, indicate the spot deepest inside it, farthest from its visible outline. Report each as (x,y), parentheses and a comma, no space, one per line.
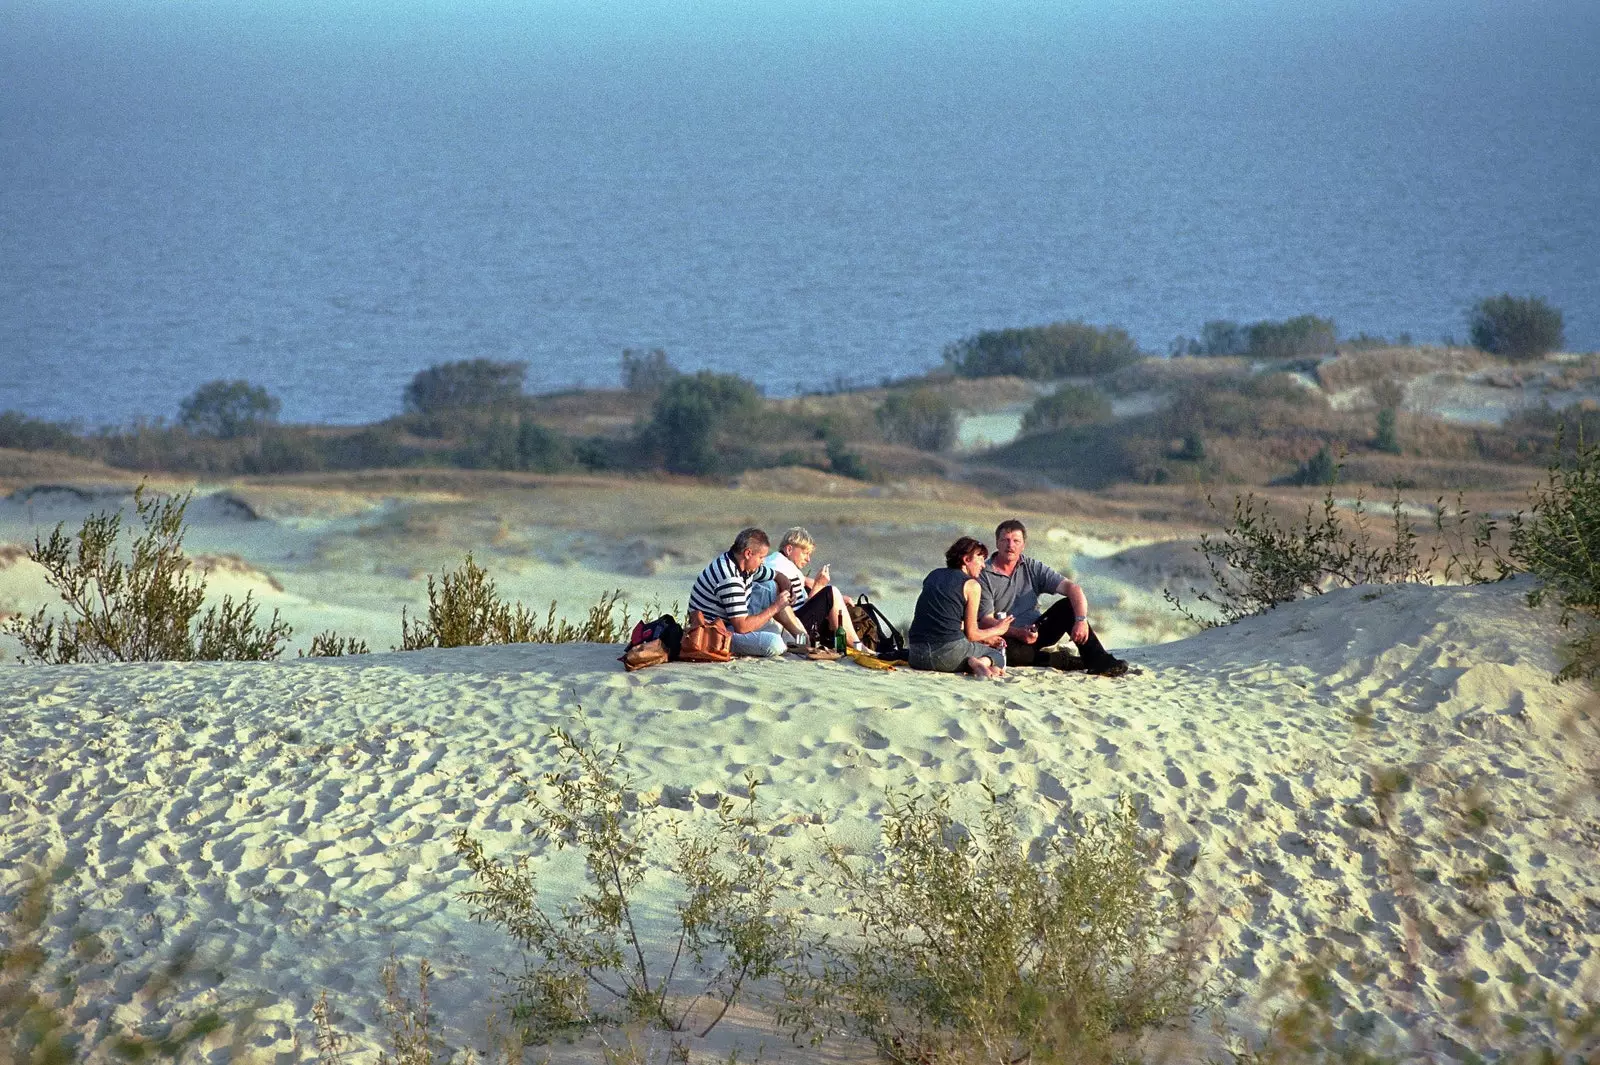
(921,418)
(694,413)
(1066,407)
(646,371)
(470,383)
(226,409)
(1516,328)
(588,963)
(142,609)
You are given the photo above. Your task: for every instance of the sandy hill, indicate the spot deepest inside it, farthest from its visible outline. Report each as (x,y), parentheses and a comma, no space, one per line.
(1382,779)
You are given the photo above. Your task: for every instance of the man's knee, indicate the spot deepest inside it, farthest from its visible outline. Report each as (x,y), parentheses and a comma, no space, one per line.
(759,644)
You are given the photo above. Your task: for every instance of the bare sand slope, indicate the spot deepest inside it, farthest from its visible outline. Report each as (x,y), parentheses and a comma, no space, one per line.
(1382,779)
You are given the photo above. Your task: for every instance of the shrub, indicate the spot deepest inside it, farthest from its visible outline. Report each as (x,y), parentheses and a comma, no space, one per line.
(646,371)
(1385,439)
(1516,328)
(465,610)
(1258,562)
(586,963)
(1559,543)
(469,383)
(330,644)
(31,434)
(1066,407)
(516,443)
(921,418)
(1321,468)
(984,946)
(1292,339)
(1060,349)
(695,416)
(226,409)
(144,609)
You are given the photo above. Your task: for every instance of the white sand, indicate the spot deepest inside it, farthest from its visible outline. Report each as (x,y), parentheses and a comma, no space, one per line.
(285,826)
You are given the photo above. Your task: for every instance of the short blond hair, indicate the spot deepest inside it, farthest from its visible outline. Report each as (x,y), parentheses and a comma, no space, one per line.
(796,537)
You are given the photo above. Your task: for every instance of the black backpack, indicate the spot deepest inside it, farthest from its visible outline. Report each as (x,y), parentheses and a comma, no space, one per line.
(665,628)
(877,631)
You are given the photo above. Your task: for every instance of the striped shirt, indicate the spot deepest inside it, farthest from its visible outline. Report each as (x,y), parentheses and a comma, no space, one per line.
(721,591)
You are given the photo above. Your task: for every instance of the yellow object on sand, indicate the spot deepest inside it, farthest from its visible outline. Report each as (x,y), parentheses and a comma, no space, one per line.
(871,661)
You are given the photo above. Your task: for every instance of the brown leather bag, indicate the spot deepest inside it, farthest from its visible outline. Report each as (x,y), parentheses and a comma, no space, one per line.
(649,653)
(706,641)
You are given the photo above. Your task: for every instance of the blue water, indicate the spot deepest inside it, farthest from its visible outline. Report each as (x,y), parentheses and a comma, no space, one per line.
(327,203)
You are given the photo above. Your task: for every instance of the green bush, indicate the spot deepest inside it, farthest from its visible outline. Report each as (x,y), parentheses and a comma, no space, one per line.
(1061,349)
(980,945)
(226,409)
(586,964)
(142,609)
(1067,407)
(1292,339)
(1320,469)
(465,610)
(469,383)
(508,442)
(1559,543)
(701,422)
(1386,439)
(921,418)
(1516,328)
(31,434)
(1295,338)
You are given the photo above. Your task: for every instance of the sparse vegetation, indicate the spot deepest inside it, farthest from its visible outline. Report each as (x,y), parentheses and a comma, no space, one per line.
(971,947)
(330,644)
(1560,544)
(1259,562)
(587,964)
(646,371)
(143,608)
(465,610)
(1515,327)
(1043,352)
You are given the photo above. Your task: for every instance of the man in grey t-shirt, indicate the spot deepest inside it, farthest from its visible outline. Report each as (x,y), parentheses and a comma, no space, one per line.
(1011,584)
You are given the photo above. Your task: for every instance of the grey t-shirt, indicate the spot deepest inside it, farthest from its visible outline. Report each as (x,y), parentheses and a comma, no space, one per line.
(1018,594)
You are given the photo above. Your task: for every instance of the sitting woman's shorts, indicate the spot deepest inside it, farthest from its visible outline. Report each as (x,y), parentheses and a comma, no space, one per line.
(952,657)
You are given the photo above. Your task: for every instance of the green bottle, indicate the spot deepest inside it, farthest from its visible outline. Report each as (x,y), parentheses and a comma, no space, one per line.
(838,640)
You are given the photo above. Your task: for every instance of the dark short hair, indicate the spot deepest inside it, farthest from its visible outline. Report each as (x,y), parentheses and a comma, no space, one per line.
(747,537)
(1010,525)
(963,547)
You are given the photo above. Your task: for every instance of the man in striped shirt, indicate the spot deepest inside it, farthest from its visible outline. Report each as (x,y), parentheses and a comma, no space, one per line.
(723,591)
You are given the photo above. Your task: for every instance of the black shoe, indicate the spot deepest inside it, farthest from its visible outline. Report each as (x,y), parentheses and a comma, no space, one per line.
(1065,661)
(1110,667)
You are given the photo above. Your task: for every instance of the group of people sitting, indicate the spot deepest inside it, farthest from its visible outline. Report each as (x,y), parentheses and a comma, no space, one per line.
(978,614)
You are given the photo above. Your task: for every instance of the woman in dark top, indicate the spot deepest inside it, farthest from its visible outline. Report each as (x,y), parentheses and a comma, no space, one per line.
(945,635)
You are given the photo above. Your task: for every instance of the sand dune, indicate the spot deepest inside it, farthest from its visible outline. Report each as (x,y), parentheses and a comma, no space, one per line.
(280,828)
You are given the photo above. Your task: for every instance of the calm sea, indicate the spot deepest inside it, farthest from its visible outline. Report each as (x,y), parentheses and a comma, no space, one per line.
(326,199)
